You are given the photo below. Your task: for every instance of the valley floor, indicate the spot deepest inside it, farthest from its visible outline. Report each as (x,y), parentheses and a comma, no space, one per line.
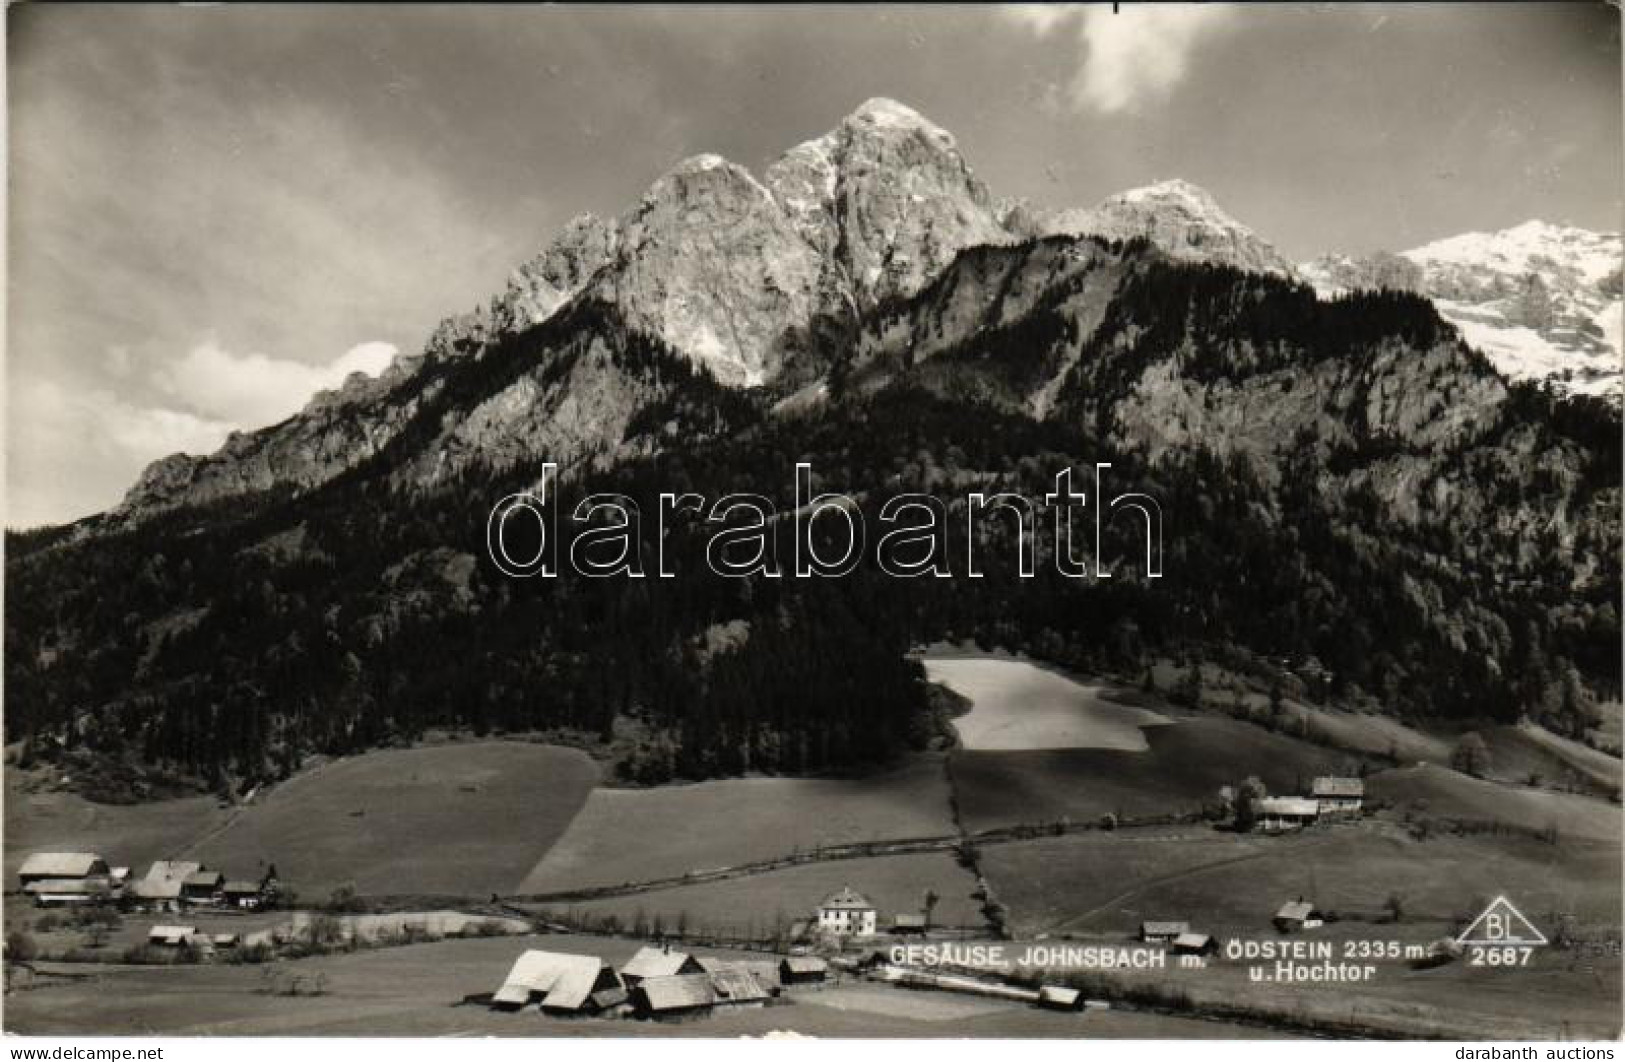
(1010,838)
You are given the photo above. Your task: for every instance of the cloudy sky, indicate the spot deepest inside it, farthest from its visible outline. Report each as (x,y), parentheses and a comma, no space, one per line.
(218,210)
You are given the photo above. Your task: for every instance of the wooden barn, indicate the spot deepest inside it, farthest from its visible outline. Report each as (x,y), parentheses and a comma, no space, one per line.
(658,962)
(557,983)
(1162,932)
(1298,914)
(908,925)
(803,970)
(1195,944)
(62,866)
(680,996)
(1054,997)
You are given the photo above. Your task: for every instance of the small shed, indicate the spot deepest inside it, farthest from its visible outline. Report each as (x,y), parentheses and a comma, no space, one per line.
(803,970)
(1054,997)
(245,895)
(905,925)
(680,996)
(226,940)
(1298,914)
(658,962)
(172,936)
(1195,944)
(1162,932)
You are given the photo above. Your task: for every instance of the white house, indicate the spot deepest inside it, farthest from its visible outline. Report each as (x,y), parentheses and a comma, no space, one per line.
(847,914)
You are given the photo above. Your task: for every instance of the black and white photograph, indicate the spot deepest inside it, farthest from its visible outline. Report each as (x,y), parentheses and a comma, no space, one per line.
(869,522)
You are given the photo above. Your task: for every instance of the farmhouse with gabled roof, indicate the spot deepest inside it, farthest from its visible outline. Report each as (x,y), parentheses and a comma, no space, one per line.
(1339,796)
(1298,914)
(658,962)
(847,914)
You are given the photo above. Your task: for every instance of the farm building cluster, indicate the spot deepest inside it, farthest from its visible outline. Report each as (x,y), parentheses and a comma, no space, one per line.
(57,879)
(1329,798)
(657,982)
(1179,939)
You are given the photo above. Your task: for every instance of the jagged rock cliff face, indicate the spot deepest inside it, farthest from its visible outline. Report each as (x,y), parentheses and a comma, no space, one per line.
(731,272)
(710,262)
(887,200)
(1177,216)
(1403,512)
(1542,301)
(880,225)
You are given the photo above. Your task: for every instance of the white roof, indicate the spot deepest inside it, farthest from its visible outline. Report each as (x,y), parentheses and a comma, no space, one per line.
(61,864)
(847,900)
(564,980)
(1287,805)
(654,962)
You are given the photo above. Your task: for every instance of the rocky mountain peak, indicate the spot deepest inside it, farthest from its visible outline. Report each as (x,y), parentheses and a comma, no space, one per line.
(1541,300)
(1181,218)
(887,199)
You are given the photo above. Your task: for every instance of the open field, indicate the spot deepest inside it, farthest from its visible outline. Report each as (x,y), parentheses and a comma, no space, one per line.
(1017,705)
(465,819)
(131,930)
(459,819)
(131,835)
(1560,994)
(1183,769)
(631,835)
(1608,730)
(1232,885)
(1438,792)
(1100,887)
(754,905)
(1518,753)
(394,924)
(413,991)
(1360,732)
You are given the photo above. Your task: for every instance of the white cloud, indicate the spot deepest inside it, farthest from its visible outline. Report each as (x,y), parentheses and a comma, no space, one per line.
(253,390)
(1041,18)
(1141,52)
(80,448)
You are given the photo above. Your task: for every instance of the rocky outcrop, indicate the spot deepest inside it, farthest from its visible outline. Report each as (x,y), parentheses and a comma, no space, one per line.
(711,263)
(886,199)
(1181,219)
(1541,301)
